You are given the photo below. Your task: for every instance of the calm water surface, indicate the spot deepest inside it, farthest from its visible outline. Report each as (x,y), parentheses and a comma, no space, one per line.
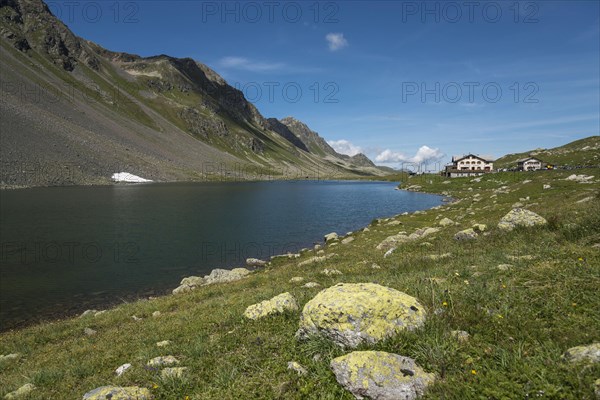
(71,248)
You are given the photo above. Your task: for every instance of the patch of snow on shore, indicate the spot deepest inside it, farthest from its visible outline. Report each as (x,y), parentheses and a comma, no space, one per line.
(127,177)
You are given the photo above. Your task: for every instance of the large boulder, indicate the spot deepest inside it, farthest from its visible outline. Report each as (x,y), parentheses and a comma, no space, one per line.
(276,305)
(520,217)
(353,313)
(589,353)
(118,393)
(382,376)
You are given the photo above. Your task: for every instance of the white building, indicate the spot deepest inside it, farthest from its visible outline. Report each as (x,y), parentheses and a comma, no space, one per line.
(469,165)
(529,164)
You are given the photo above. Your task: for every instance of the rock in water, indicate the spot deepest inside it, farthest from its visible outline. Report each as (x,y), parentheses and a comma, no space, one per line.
(118,393)
(520,217)
(589,353)
(276,305)
(353,313)
(382,376)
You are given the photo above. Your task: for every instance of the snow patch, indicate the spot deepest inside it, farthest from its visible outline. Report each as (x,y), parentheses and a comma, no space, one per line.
(127,177)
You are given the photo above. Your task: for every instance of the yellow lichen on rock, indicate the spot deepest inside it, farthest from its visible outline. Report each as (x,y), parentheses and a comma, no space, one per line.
(520,217)
(351,314)
(118,393)
(381,375)
(277,304)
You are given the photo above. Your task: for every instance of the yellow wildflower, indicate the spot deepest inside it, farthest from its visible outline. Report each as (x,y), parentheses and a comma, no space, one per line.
(474,372)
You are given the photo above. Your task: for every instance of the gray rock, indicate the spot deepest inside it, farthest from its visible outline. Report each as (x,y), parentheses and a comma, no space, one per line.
(89,331)
(21,392)
(276,305)
(331,237)
(331,272)
(461,336)
(520,217)
(353,313)
(382,376)
(587,354)
(121,370)
(467,234)
(347,240)
(118,393)
(162,360)
(294,366)
(310,285)
(9,357)
(255,262)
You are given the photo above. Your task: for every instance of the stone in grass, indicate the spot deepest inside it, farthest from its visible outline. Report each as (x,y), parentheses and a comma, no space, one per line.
(597,388)
(121,370)
(163,343)
(331,272)
(382,376)
(89,331)
(296,279)
(461,336)
(350,314)
(162,360)
(21,392)
(467,234)
(446,222)
(8,357)
(294,366)
(118,393)
(156,314)
(479,227)
(255,262)
(173,373)
(504,267)
(347,240)
(588,354)
(276,305)
(520,217)
(310,285)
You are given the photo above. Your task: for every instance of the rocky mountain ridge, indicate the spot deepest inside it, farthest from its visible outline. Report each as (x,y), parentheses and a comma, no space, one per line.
(95,112)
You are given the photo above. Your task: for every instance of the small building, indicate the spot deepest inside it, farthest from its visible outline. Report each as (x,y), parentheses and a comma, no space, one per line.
(529,164)
(469,165)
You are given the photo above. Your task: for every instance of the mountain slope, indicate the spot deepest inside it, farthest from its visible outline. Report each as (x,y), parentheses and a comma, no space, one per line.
(75,113)
(583,152)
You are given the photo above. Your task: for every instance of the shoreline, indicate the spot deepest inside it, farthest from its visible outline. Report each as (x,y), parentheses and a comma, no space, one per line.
(73,311)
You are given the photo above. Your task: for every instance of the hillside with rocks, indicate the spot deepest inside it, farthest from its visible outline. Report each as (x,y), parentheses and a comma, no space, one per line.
(491,295)
(76,113)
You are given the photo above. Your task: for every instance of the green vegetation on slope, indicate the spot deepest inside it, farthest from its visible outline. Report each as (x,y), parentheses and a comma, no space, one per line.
(583,152)
(521,318)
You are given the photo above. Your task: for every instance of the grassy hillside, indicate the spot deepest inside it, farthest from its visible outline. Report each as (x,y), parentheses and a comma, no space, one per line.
(521,319)
(584,152)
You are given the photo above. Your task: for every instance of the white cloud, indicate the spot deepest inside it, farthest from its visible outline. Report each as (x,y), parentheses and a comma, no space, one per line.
(336,41)
(424,155)
(345,147)
(249,65)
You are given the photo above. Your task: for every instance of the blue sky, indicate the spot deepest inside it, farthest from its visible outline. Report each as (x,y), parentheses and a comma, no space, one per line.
(401,81)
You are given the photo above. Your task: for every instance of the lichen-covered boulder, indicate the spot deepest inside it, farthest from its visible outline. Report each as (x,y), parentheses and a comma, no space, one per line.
(401,237)
(467,234)
(520,217)
(118,393)
(353,313)
(276,305)
(21,392)
(382,376)
(589,353)
(480,227)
